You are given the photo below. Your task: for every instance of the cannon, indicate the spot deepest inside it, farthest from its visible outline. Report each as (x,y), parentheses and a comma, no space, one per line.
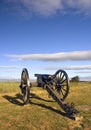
(57,85)
(59,82)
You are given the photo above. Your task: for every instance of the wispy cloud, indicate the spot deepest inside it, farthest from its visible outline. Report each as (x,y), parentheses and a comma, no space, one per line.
(49,7)
(84,72)
(9,67)
(80,6)
(81,67)
(62,56)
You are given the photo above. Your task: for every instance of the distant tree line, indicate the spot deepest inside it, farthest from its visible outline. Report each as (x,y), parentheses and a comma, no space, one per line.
(75,79)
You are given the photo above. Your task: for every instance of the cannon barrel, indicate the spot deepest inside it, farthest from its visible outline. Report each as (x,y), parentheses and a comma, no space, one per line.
(42,79)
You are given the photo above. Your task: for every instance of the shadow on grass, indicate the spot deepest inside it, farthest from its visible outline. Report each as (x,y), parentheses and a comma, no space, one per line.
(39,98)
(49,107)
(54,110)
(14,99)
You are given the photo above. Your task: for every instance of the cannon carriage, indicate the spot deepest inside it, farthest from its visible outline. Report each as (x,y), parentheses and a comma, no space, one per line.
(57,85)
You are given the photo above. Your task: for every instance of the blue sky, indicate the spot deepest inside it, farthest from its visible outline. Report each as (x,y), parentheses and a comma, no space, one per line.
(44,36)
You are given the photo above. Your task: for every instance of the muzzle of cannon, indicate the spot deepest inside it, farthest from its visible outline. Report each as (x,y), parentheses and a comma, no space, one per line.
(57,86)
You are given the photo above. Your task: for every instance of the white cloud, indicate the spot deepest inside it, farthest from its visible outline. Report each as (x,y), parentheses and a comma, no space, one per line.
(9,67)
(82,6)
(62,56)
(84,72)
(46,7)
(81,67)
(50,7)
(43,7)
(80,3)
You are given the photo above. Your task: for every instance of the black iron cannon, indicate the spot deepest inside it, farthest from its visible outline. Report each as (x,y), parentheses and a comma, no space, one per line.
(59,82)
(57,85)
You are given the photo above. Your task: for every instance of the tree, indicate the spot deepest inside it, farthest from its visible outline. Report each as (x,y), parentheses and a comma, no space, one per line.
(75,79)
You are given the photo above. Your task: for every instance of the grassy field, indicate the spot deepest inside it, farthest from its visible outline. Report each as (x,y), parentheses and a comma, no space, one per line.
(43,113)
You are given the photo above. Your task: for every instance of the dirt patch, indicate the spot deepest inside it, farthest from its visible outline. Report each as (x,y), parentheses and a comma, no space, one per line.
(84,107)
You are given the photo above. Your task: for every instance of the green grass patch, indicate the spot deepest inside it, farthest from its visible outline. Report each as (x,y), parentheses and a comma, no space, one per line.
(8,87)
(43,113)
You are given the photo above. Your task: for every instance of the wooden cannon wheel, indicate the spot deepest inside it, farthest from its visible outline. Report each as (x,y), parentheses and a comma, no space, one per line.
(61,84)
(25,85)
